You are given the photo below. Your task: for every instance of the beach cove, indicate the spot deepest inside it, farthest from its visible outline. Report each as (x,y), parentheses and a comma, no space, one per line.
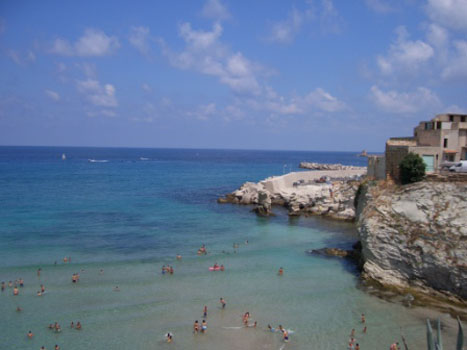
(130,216)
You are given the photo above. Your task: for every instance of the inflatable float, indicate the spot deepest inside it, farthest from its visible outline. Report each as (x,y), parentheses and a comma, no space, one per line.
(212,268)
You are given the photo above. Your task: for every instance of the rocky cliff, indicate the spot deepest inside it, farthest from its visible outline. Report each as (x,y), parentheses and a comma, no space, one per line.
(415,235)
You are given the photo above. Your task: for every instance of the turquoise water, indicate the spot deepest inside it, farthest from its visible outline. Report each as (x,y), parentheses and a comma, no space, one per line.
(129,217)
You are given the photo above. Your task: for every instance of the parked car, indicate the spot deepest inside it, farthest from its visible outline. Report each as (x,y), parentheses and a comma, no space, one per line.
(460,167)
(446,165)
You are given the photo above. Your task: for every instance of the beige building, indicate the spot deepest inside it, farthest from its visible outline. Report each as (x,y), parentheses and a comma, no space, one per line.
(442,139)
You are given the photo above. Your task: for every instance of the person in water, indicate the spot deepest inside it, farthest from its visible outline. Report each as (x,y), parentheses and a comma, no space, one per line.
(270,328)
(204,326)
(15,291)
(364,329)
(357,346)
(42,288)
(281,271)
(196,327)
(57,347)
(246,317)
(363,318)
(116,289)
(72,325)
(205,311)
(18,309)
(222,301)
(285,335)
(171,270)
(3,286)
(179,257)
(21,283)
(30,335)
(78,325)
(169,337)
(222,268)
(39,272)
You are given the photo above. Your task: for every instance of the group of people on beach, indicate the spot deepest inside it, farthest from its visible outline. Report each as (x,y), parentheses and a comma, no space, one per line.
(167,269)
(353,345)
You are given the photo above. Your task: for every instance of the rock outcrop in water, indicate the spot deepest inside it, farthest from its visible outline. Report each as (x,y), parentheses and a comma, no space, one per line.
(415,235)
(326,193)
(321,166)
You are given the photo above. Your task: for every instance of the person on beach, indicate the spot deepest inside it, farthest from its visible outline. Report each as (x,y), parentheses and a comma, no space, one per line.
(30,335)
(281,271)
(78,325)
(222,301)
(196,327)
(204,326)
(205,311)
(363,318)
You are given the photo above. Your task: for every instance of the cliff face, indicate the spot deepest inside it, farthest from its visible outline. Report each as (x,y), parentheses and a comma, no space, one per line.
(415,235)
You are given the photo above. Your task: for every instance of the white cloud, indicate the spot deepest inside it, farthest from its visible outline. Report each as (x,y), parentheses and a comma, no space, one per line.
(94,42)
(405,102)
(285,31)
(404,54)
(437,35)
(380,6)
(104,112)
(146,88)
(331,21)
(323,101)
(456,67)
(214,9)
(204,112)
(53,95)
(20,58)
(98,95)
(139,37)
(450,13)
(199,39)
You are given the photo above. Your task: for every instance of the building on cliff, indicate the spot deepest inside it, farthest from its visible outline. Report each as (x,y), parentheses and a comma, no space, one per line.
(442,139)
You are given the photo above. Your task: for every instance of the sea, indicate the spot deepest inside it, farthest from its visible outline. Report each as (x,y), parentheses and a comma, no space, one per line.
(119,214)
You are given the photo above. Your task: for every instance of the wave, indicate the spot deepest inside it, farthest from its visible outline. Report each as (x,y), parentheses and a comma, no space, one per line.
(97,160)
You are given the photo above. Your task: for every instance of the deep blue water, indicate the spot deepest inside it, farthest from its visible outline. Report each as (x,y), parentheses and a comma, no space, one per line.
(126,207)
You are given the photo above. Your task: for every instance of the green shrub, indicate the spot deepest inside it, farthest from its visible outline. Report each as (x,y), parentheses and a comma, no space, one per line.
(412,168)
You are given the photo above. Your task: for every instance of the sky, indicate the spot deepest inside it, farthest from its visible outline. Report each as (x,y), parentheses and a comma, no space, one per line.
(333,75)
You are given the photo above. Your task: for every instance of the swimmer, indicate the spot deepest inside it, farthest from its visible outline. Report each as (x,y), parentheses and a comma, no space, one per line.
(15,291)
(116,289)
(101,271)
(285,335)
(179,257)
(57,328)
(163,270)
(222,301)
(30,335)
(196,327)
(10,284)
(42,347)
(357,346)
(364,329)
(169,337)
(72,325)
(39,294)
(204,326)
(18,309)
(280,328)
(215,265)
(246,316)
(281,271)
(21,283)
(78,325)
(51,326)
(205,311)
(254,324)
(246,242)
(171,270)
(222,268)
(3,286)
(270,328)
(57,347)
(39,272)
(352,333)
(65,259)
(42,288)
(363,318)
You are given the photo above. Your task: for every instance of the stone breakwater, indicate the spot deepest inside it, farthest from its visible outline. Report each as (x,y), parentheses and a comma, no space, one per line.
(326,193)
(415,236)
(321,166)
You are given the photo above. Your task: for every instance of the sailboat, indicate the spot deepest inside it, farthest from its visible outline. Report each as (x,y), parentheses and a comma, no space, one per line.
(63,156)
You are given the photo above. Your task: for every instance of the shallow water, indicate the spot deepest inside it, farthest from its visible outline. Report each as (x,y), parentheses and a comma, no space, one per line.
(130,217)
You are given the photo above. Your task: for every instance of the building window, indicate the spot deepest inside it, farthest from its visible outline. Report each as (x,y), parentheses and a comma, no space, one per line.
(462,118)
(438,125)
(445,143)
(451,118)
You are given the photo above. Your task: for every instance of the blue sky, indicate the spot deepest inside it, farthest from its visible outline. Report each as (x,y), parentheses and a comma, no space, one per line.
(297,75)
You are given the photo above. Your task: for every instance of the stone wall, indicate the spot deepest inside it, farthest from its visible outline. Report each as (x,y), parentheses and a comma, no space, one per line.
(376,167)
(394,155)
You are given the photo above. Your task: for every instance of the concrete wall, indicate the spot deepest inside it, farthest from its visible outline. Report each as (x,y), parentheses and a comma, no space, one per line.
(376,167)
(393,156)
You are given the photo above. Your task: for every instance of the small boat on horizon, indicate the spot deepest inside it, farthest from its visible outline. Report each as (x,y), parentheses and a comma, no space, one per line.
(363,154)
(63,156)
(97,160)
(142,158)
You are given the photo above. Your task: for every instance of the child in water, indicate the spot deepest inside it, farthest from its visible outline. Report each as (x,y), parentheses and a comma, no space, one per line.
(204,326)
(169,337)
(196,327)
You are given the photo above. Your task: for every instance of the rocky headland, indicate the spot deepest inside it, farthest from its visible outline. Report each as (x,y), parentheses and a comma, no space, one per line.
(325,193)
(415,236)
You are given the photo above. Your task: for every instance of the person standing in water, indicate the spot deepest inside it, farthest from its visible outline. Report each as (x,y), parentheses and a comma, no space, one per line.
(196,327)
(281,271)
(222,301)
(205,311)
(30,335)
(204,326)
